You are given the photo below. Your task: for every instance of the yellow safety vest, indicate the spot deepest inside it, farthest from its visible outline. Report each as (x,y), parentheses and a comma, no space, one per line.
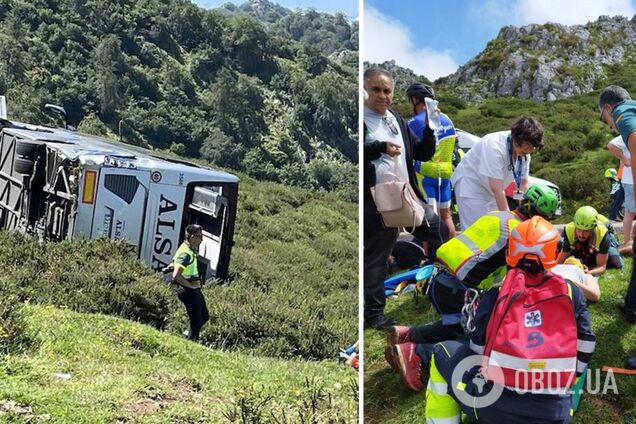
(483,239)
(191,270)
(597,235)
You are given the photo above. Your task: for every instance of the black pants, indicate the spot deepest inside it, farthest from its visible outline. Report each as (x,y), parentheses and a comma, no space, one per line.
(197,310)
(510,407)
(378,243)
(435,232)
(630,297)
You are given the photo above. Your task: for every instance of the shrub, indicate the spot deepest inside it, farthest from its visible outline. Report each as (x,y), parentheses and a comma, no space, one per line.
(95,276)
(14,337)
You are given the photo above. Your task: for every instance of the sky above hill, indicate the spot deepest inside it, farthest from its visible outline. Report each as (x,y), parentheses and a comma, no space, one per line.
(348,8)
(435,37)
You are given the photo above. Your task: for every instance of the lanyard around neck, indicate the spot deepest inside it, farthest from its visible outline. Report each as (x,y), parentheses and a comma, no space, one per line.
(516,170)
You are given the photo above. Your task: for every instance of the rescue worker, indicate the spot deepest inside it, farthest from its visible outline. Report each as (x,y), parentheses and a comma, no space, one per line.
(590,239)
(559,343)
(433,176)
(187,282)
(474,259)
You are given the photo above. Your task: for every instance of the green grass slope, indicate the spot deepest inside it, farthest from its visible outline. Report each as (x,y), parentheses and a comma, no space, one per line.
(91,368)
(387,400)
(267,355)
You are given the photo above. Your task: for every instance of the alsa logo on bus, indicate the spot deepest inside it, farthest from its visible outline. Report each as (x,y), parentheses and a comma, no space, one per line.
(163,245)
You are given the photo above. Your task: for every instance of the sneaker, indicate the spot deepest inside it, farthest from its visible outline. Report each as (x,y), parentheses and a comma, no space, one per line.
(381,322)
(410,365)
(398,334)
(389,355)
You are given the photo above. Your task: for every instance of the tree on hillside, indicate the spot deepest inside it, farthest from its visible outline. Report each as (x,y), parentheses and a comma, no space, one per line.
(108,67)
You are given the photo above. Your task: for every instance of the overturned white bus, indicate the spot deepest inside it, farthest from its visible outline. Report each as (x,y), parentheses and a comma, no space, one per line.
(60,184)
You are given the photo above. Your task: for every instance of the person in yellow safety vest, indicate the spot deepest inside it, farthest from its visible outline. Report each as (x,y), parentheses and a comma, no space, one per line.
(433,176)
(589,239)
(460,380)
(187,282)
(475,258)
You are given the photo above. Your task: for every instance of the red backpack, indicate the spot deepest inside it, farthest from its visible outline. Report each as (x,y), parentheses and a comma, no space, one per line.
(532,334)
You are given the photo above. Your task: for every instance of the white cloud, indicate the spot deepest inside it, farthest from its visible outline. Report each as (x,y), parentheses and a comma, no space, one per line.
(388,39)
(571,12)
(497,13)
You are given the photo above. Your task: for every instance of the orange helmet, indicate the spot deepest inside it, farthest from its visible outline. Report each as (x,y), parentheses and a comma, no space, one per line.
(533,245)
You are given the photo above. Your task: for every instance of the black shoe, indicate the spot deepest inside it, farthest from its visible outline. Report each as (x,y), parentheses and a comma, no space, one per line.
(630,363)
(381,322)
(628,313)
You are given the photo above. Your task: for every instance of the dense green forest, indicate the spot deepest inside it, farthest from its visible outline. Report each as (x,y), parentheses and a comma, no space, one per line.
(273,94)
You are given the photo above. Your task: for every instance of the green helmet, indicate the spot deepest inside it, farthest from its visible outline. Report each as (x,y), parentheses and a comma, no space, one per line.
(543,199)
(585,218)
(611,174)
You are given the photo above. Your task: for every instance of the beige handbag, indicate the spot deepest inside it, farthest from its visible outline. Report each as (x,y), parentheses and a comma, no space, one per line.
(397,202)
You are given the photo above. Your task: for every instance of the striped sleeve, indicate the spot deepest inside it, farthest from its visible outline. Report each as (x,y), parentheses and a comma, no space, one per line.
(586,340)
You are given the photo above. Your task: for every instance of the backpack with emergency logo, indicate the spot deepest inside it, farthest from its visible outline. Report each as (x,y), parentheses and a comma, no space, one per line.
(532,331)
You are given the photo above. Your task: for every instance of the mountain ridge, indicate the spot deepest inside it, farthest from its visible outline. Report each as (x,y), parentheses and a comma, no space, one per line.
(545,61)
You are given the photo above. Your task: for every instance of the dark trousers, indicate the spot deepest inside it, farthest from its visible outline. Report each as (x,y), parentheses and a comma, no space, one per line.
(426,336)
(378,243)
(196,308)
(435,232)
(617,201)
(630,297)
(511,407)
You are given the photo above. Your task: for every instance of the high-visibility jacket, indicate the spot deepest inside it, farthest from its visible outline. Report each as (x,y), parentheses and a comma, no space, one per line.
(441,164)
(191,269)
(597,235)
(477,255)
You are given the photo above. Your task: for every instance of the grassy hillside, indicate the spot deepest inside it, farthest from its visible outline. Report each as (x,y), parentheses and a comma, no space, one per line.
(96,369)
(269,352)
(293,277)
(387,400)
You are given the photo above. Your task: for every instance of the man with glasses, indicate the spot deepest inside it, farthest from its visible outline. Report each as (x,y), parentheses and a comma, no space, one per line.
(497,160)
(187,282)
(389,148)
(618,111)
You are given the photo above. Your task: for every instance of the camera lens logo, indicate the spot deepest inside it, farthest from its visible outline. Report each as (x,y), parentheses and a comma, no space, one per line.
(482,393)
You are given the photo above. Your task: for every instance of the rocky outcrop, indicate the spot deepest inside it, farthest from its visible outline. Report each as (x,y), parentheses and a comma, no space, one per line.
(545,62)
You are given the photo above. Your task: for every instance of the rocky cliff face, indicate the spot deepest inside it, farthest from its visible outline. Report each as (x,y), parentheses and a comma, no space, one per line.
(545,62)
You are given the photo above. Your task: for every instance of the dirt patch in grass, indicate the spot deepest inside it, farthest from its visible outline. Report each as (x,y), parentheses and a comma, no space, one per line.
(176,388)
(141,407)
(12,408)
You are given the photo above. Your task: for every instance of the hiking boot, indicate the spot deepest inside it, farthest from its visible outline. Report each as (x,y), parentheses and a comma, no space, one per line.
(398,334)
(381,322)
(389,355)
(410,365)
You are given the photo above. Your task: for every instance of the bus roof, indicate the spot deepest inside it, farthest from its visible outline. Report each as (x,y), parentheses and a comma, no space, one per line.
(92,149)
